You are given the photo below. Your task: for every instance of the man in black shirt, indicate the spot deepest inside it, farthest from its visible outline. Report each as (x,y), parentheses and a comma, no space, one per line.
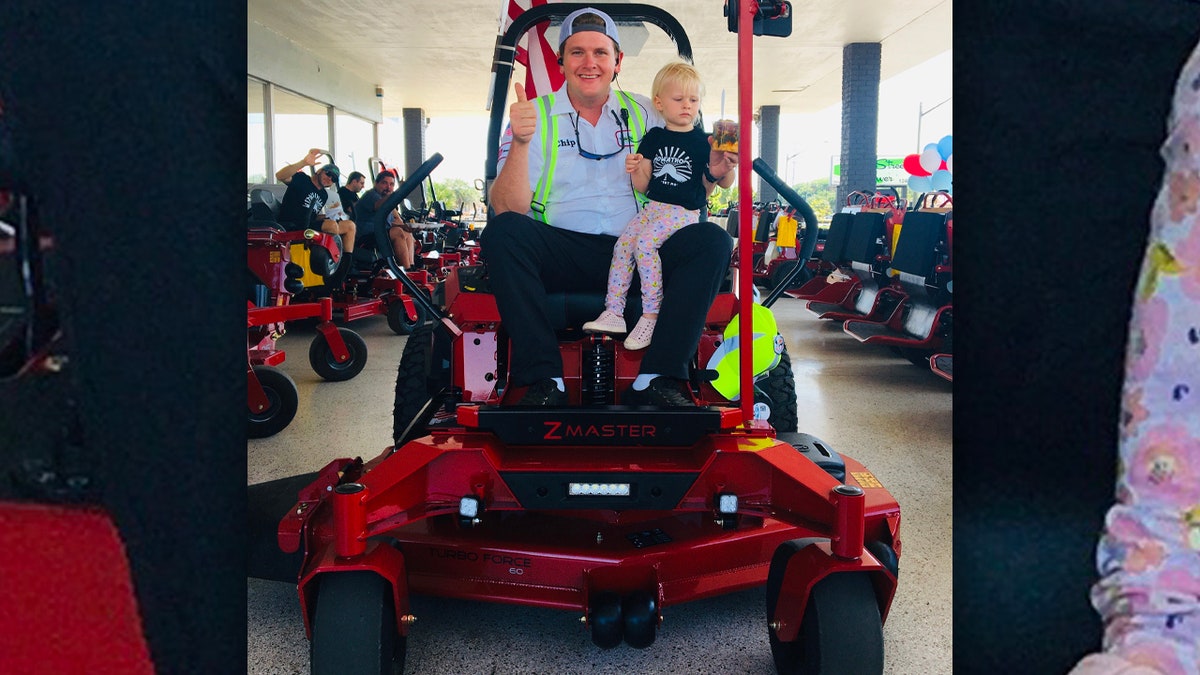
(305,199)
(349,192)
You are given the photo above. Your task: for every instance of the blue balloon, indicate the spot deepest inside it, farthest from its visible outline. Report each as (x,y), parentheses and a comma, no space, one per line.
(920,183)
(945,147)
(940,180)
(931,145)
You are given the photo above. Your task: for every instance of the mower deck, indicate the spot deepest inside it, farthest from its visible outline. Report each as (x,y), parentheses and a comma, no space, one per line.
(559,513)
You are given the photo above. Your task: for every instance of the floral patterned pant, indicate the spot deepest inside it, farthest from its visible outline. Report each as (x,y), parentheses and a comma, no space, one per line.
(640,241)
(1149,554)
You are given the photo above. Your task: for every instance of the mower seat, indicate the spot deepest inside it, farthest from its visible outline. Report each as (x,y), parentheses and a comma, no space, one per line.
(442,213)
(833,255)
(732,221)
(263,205)
(569,311)
(566,311)
(865,249)
(918,248)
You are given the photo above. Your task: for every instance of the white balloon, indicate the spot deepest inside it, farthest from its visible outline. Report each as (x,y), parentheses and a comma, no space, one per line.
(930,159)
(950,163)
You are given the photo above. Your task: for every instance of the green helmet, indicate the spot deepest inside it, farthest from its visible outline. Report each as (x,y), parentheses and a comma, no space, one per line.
(767,345)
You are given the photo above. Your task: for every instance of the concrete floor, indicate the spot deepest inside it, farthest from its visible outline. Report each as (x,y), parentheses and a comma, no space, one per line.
(863,400)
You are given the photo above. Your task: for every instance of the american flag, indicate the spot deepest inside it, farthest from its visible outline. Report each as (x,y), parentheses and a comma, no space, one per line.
(534,51)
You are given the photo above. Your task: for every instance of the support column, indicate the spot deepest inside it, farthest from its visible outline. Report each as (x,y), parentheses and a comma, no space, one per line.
(860,117)
(414,148)
(768,148)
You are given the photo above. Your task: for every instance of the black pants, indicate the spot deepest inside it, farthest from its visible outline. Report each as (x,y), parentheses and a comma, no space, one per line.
(527,259)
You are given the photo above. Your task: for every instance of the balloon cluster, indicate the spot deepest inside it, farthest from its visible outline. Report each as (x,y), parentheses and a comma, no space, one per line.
(933,168)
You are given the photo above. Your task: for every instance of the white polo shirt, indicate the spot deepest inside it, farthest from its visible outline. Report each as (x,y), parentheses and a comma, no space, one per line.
(586,195)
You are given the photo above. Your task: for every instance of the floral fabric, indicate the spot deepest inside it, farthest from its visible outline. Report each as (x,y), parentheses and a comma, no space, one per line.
(1149,554)
(639,245)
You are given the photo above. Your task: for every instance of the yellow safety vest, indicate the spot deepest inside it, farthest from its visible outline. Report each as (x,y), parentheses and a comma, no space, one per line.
(549,126)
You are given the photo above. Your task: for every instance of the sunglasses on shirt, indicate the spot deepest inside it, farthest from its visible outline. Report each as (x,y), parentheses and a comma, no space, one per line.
(588,154)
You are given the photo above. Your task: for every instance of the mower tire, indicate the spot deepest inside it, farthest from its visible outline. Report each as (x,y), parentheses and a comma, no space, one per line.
(778,391)
(283,400)
(354,627)
(781,272)
(423,372)
(398,321)
(320,356)
(605,620)
(841,632)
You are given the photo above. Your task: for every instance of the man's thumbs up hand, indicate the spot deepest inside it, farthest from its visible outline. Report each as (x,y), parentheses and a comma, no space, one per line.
(522,116)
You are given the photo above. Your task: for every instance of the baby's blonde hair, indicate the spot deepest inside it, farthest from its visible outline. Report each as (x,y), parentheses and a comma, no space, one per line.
(683,74)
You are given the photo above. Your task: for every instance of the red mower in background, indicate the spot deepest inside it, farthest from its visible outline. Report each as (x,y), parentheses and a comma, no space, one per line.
(775,244)
(275,278)
(367,285)
(611,512)
(442,241)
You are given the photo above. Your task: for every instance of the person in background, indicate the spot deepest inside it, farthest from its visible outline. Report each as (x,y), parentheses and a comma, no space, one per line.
(349,192)
(1149,554)
(399,234)
(306,196)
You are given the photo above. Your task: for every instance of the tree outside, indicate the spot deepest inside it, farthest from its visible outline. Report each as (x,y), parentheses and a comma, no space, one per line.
(458,194)
(820,195)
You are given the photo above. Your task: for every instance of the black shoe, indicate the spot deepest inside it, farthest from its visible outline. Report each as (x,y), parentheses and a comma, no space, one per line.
(544,393)
(662,392)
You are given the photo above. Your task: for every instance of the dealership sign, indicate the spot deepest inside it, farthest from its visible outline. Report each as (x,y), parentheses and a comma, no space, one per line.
(888,171)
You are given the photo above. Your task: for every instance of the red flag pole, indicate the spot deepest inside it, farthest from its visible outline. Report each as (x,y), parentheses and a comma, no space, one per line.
(747,9)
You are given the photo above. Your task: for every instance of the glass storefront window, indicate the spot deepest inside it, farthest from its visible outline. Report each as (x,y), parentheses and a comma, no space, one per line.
(299,124)
(256,134)
(355,143)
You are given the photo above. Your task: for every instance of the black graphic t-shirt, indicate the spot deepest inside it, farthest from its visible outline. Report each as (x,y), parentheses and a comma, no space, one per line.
(677,163)
(301,202)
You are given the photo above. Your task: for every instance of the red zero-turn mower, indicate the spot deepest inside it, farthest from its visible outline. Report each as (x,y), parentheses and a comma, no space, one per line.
(615,513)
(336,354)
(370,284)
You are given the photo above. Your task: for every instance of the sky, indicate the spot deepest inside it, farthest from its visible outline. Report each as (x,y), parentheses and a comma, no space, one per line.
(807,142)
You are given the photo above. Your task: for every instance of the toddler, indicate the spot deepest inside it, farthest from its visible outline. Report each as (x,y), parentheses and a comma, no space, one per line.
(671,167)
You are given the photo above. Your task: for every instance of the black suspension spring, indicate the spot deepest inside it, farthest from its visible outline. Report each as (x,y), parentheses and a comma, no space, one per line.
(598,372)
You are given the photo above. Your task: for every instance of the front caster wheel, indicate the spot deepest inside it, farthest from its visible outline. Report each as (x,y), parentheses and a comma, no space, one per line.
(640,614)
(283,398)
(841,630)
(605,619)
(320,356)
(354,627)
(398,319)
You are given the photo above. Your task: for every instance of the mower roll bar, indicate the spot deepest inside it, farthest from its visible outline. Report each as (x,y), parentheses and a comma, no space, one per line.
(381,225)
(506,50)
(797,202)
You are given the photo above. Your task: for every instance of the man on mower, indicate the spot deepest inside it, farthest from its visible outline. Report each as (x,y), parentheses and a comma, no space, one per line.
(561,199)
(349,192)
(402,240)
(306,196)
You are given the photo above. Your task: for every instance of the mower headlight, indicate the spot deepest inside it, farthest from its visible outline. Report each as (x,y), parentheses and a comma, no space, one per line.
(727,504)
(469,507)
(598,489)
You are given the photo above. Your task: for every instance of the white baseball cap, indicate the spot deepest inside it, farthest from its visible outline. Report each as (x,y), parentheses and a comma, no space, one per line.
(567,30)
